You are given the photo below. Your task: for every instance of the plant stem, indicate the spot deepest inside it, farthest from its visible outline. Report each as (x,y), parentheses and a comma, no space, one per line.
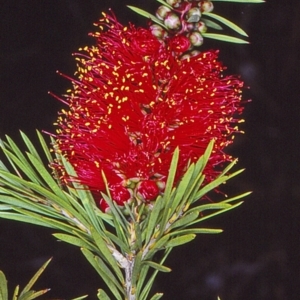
(130,294)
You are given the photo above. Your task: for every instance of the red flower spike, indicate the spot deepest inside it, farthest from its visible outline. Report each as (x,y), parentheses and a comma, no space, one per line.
(137,99)
(147,190)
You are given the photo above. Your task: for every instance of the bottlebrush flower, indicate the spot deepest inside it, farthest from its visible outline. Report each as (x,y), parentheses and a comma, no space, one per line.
(136,99)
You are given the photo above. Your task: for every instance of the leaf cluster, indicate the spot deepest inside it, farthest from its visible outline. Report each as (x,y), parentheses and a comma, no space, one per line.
(121,246)
(27,293)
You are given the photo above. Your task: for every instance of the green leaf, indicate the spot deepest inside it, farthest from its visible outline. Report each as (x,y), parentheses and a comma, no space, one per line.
(241,1)
(124,247)
(217,213)
(44,146)
(16,293)
(34,279)
(211,206)
(147,15)
(3,287)
(157,296)
(28,204)
(75,241)
(157,245)
(86,198)
(102,295)
(224,38)
(232,199)
(172,173)
(136,269)
(106,254)
(24,219)
(104,273)
(156,266)
(144,293)
(32,294)
(185,220)
(182,188)
(22,165)
(197,231)
(27,293)
(211,24)
(44,173)
(180,240)
(80,298)
(212,185)
(138,234)
(164,3)
(30,146)
(152,218)
(227,23)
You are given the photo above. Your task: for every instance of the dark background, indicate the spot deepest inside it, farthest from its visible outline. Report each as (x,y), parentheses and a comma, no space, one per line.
(257,257)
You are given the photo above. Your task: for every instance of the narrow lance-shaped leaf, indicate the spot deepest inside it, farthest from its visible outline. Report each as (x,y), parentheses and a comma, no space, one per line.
(146,14)
(241,1)
(224,38)
(165,3)
(152,223)
(102,295)
(180,240)
(99,266)
(227,23)
(106,253)
(211,24)
(157,266)
(157,296)
(35,278)
(3,287)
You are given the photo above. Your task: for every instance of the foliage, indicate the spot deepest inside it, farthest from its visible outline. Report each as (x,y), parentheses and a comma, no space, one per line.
(121,245)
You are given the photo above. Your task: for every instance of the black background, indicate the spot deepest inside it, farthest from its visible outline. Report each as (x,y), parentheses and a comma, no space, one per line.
(257,257)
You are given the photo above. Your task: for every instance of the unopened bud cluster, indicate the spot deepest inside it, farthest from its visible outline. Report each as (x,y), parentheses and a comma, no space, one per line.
(183,19)
(134,189)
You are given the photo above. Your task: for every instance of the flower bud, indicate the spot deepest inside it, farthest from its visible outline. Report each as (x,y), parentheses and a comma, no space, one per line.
(173,3)
(187,26)
(120,194)
(158,31)
(147,190)
(103,205)
(201,27)
(172,21)
(193,15)
(196,39)
(162,11)
(179,44)
(206,6)
(195,53)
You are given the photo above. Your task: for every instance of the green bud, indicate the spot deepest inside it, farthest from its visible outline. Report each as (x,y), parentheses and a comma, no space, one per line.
(201,27)
(162,11)
(196,39)
(206,6)
(172,21)
(173,3)
(158,31)
(193,15)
